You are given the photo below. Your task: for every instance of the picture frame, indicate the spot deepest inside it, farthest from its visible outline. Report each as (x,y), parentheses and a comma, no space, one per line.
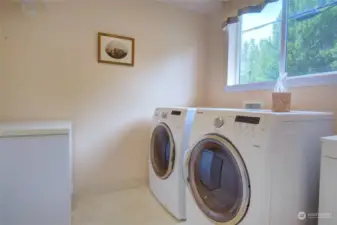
(116,49)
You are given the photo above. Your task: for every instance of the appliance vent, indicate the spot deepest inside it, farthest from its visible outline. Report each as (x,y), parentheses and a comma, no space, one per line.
(253,105)
(32,6)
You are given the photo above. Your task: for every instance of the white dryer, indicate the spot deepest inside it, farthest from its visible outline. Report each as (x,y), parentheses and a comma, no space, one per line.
(170,133)
(254,167)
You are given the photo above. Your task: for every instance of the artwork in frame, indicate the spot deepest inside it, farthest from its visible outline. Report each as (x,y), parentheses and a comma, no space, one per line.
(116,49)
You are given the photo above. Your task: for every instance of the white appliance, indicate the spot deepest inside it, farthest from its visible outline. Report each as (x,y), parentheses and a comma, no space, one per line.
(35,173)
(170,133)
(328,185)
(254,167)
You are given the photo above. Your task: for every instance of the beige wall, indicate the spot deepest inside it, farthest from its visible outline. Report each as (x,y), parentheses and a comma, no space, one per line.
(321,98)
(48,70)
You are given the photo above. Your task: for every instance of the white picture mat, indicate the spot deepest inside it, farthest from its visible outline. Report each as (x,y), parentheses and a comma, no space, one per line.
(105,57)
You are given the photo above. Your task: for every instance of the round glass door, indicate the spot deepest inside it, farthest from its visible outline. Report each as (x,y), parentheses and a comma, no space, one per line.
(162,151)
(219,180)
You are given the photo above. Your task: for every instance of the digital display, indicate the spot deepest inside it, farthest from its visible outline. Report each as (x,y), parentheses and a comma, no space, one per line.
(247,119)
(176,113)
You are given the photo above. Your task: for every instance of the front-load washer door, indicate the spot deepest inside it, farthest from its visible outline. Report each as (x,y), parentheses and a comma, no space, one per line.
(218,180)
(162,153)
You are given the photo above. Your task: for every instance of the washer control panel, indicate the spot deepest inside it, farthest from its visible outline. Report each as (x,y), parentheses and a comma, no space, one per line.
(219,122)
(241,126)
(247,120)
(249,127)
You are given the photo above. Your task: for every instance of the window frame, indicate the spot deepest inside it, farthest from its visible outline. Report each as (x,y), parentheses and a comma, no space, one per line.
(234,48)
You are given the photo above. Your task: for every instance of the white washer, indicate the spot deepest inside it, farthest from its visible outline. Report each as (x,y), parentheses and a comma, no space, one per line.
(170,133)
(328,185)
(254,167)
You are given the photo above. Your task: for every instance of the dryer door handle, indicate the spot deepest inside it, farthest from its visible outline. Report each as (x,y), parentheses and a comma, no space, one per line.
(187,157)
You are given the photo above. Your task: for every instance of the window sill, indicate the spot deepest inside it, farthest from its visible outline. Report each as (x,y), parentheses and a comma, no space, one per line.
(304,81)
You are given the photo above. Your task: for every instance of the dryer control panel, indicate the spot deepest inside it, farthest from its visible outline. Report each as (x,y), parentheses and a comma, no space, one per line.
(164,115)
(176,113)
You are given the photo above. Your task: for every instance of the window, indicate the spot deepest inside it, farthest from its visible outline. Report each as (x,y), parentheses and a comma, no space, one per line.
(294,36)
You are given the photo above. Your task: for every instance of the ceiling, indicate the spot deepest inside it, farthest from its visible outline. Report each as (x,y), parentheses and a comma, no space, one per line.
(201,6)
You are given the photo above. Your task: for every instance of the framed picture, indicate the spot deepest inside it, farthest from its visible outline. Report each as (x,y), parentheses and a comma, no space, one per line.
(116,49)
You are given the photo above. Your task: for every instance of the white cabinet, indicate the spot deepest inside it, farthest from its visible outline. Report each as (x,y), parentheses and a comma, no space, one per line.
(35,178)
(328,184)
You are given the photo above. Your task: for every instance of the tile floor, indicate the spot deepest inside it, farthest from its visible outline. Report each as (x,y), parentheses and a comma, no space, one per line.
(127,207)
